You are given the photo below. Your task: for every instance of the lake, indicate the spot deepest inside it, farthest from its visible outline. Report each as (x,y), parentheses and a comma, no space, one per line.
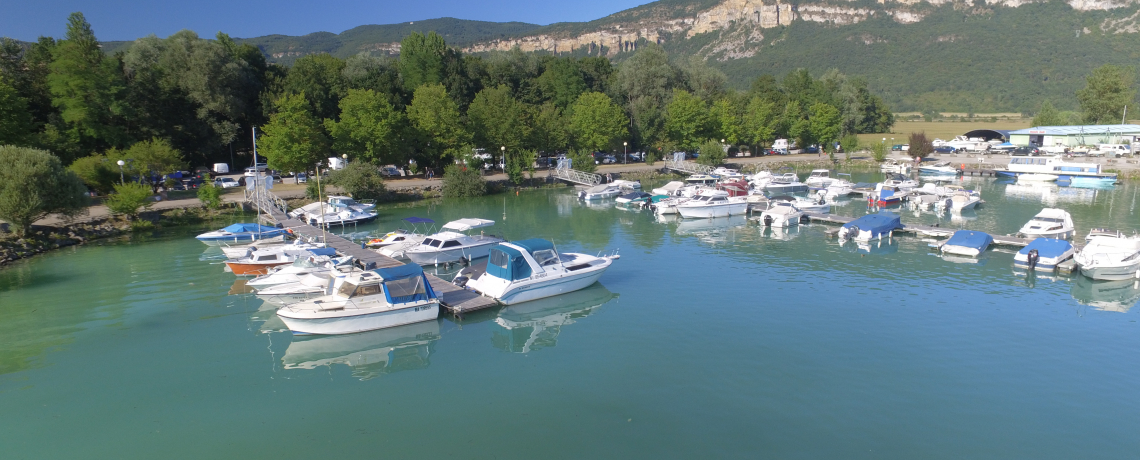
(708,338)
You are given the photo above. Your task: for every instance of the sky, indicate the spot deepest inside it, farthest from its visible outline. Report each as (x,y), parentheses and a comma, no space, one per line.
(130,19)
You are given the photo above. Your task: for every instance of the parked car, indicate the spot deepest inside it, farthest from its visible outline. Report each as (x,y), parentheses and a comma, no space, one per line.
(389,171)
(811,149)
(226,182)
(1026,151)
(203,173)
(609,159)
(301,178)
(944,149)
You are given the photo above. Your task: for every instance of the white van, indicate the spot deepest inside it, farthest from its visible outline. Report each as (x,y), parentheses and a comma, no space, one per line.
(336,163)
(1111,150)
(221,168)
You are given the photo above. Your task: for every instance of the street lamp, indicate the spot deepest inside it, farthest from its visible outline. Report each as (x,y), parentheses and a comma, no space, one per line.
(625,156)
(121,180)
(503,148)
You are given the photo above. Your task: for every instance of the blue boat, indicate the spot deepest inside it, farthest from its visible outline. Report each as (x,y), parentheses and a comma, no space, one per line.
(967,243)
(1044,253)
(870,226)
(240,232)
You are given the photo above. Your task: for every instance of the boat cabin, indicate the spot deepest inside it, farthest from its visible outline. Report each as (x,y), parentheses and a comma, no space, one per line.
(401,284)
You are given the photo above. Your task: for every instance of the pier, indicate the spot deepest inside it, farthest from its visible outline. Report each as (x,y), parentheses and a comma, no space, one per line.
(920,230)
(454,299)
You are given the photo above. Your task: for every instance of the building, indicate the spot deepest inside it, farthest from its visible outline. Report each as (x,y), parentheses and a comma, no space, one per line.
(1073,136)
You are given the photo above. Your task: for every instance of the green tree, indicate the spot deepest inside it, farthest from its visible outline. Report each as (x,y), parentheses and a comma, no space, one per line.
(728,121)
(293,140)
(596,123)
(15,120)
(1047,115)
(86,87)
(687,122)
(879,151)
(1107,91)
(369,127)
(421,59)
(360,180)
(210,196)
(34,184)
(549,132)
(129,199)
(461,182)
(320,78)
(920,146)
(562,82)
(711,153)
(97,171)
(582,160)
(826,125)
(645,83)
(435,118)
(498,120)
(149,161)
(518,162)
(760,122)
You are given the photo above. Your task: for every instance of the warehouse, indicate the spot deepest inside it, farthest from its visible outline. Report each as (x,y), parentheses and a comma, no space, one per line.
(1074,136)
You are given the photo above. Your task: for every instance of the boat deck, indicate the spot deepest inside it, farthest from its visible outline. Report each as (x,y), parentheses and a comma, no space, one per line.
(923,230)
(454,299)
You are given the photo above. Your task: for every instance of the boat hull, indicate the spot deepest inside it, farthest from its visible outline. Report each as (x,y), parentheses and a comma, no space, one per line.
(1060,235)
(349,324)
(1118,272)
(535,291)
(236,237)
(241,269)
(961,250)
(704,212)
(450,255)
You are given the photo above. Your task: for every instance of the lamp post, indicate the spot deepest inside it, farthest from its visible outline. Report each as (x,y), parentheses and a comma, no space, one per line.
(625,155)
(503,148)
(121,180)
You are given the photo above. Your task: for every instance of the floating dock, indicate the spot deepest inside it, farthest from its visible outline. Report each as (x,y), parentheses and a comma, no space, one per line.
(921,230)
(454,299)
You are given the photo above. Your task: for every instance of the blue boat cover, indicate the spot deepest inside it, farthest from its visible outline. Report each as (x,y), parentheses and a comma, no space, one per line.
(534,244)
(1047,247)
(970,239)
(250,228)
(399,272)
(323,251)
(877,224)
(405,283)
(418,220)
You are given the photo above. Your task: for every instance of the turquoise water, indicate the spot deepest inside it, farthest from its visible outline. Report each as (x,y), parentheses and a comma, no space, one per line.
(706,339)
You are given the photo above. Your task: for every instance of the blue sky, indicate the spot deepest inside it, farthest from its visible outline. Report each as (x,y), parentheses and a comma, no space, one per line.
(131,19)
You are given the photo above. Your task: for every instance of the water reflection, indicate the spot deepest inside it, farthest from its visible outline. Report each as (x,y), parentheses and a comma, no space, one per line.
(1118,296)
(369,354)
(781,233)
(1050,194)
(875,247)
(535,325)
(712,231)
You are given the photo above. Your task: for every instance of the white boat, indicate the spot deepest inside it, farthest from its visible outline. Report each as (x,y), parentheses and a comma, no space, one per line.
(451,246)
(942,169)
(526,270)
(669,189)
(899,182)
(702,179)
(1049,223)
(1044,254)
(1110,256)
(262,261)
(780,214)
(1036,177)
(309,286)
(240,233)
(712,203)
(819,178)
(840,187)
(627,184)
(402,236)
(298,270)
(727,174)
(336,210)
(668,206)
(895,166)
(600,192)
(366,301)
(958,202)
(785,183)
(817,205)
(234,252)
(340,217)
(963,143)
(1087,173)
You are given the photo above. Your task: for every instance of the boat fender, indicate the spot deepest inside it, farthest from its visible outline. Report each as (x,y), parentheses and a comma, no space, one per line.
(1031,258)
(768,221)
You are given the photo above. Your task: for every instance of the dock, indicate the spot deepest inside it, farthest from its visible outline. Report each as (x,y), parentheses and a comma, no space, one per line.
(454,299)
(979,172)
(921,230)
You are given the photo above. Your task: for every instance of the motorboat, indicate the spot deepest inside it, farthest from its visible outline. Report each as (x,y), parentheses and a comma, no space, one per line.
(727,174)
(1109,256)
(780,214)
(233,252)
(341,216)
(901,182)
(942,169)
(240,232)
(702,179)
(627,184)
(450,245)
(967,243)
(333,205)
(600,192)
(785,183)
(895,166)
(1087,173)
(870,226)
(366,301)
(888,195)
(819,178)
(668,206)
(300,267)
(531,269)
(963,143)
(734,188)
(632,197)
(259,262)
(818,204)
(1049,223)
(401,236)
(1044,254)
(712,203)
(309,286)
(1036,177)
(760,179)
(923,198)
(839,186)
(669,189)
(958,202)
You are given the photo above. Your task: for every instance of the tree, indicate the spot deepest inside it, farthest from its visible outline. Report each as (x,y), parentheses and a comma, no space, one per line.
(826,124)
(920,146)
(15,120)
(462,182)
(149,161)
(498,120)
(760,122)
(582,160)
(728,121)
(879,151)
(421,59)
(518,162)
(34,184)
(360,180)
(645,83)
(129,199)
(1048,116)
(210,196)
(687,121)
(293,140)
(435,118)
(320,77)
(562,82)
(1107,91)
(368,129)
(711,153)
(596,123)
(549,132)
(86,87)
(97,171)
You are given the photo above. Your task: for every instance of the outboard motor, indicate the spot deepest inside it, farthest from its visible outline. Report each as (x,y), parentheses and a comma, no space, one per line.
(1032,258)
(852,232)
(460,281)
(767,220)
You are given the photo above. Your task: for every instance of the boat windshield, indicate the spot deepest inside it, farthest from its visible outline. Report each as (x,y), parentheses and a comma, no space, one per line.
(431,242)
(1051,219)
(546,257)
(406,289)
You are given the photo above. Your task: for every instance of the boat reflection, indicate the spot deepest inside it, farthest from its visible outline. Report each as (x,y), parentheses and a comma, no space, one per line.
(956,259)
(369,354)
(715,230)
(535,325)
(781,233)
(1050,194)
(1119,296)
(876,247)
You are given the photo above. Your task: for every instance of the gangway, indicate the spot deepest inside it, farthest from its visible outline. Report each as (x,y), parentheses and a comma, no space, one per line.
(679,164)
(563,171)
(257,192)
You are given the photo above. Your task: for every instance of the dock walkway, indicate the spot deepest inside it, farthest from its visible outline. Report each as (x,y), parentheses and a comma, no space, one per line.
(921,230)
(454,299)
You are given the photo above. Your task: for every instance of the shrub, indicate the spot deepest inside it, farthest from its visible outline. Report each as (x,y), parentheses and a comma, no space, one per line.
(210,196)
(711,153)
(849,143)
(461,182)
(519,162)
(920,146)
(582,160)
(312,192)
(879,151)
(34,184)
(360,180)
(97,171)
(129,199)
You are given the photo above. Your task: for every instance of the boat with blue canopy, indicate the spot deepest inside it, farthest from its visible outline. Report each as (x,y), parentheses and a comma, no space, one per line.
(871,226)
(240,232)
(365,301)
(531,269)
(967,243)
(1044,254)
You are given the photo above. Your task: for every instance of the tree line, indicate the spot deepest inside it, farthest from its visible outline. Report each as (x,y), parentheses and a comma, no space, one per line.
(192,101)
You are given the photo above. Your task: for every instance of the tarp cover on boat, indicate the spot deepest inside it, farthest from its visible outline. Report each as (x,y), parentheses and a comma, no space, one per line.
(463,225)
(418,220)
(405,283)
(243,228)
(635,195)
(877,224)
(508,263)
(1047,247)
(970,239)
(323,251)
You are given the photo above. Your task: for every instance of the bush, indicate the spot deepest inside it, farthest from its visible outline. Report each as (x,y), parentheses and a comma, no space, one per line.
(582,160)
(461,182)
(920,146)
(519,162)
(97,171)
(34,184)
(711,153)
(129,199)
(879,151)
(210,196)
(849,143)
(360,180)
(312,192)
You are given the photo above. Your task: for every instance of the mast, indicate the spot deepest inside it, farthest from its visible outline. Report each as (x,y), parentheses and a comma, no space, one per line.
(321,200)
(256,184)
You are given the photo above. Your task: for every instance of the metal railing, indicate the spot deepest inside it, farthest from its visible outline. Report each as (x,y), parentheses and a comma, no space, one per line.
(579,177)
(688,167)
(266,200)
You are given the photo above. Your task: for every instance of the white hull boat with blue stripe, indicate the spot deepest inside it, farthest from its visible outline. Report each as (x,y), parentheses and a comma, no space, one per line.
(1085,173)
(370,300)
(532,269)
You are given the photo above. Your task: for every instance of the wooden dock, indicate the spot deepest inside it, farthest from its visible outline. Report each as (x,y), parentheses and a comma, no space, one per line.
(454,299)
(920,230)
(979,172)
